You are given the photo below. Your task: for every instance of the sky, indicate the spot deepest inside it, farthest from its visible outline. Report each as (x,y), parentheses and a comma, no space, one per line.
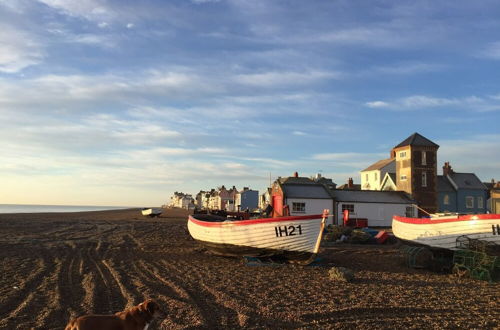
(120,102)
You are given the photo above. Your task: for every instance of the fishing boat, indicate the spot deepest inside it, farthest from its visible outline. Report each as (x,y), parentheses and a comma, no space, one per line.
(442,230)
(295,238)
(151,212)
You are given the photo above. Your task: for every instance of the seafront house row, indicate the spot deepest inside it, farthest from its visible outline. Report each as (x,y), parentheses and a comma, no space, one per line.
(405,184)
(230,200)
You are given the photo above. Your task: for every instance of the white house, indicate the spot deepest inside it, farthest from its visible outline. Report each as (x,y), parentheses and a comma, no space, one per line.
(301,196)
(378,207)
(372,176)
(182,200)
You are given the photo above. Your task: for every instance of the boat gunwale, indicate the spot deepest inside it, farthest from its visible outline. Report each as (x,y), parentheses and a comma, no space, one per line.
(253,221)
(429,221)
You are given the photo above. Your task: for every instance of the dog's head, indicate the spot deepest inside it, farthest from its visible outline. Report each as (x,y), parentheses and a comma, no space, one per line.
(153,308)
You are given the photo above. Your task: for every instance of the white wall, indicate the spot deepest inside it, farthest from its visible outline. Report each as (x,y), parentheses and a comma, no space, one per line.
(313,206)
(378,214)
(375,183)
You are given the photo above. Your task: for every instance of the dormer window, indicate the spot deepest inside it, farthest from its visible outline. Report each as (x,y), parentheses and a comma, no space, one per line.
(424,158)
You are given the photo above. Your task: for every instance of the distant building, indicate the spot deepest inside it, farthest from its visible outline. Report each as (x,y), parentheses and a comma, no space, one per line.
(461,192)
(493,203)
(265,199)
(247,199)
(350,185)
(181,200)
(372,176)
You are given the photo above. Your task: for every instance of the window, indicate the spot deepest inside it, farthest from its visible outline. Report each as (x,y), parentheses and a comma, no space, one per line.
(375,175)
(410,211)
(402,154)
(366,177)
(446,199)
(299,207)
(469,202)
(480,204)
(349,207)
(424,158)
(402,177)
(424,179)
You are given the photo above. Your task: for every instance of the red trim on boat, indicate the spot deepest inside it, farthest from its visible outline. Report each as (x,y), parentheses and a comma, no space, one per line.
(253,221)
(427,221)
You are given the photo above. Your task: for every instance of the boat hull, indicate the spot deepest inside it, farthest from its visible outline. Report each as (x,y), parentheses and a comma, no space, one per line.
(443,232)
(151,212)
(294,238)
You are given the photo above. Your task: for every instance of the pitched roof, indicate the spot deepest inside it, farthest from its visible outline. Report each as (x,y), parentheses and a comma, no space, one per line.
(466,181)
(296,180)
(371,196)
(443,184)
(345,186)
(380,164)
(305,191)
(417,140)
(390,177)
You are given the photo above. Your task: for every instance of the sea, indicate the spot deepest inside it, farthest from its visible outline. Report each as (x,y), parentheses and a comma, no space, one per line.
(29,208)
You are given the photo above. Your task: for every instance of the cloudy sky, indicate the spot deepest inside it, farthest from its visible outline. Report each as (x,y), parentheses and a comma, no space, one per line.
(120,102)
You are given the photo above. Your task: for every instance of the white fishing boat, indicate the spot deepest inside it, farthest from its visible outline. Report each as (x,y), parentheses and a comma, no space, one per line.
(296,238)
(442,230)
(151,212)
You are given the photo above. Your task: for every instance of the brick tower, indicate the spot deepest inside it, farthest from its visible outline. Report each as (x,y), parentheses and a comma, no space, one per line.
(416,170)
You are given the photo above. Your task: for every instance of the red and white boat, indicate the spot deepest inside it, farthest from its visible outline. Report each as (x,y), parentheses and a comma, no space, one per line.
(296,238)
(442,230)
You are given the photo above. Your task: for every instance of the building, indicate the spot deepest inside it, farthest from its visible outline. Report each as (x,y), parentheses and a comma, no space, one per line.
(372,176)
(378,207)
(299,196)
(265,199)
(181,200)
(461,192)
(416,171)
(247,199)
(389,182)
(350,185)
(493,196)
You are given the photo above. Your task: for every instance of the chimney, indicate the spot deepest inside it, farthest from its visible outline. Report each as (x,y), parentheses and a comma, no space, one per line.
(350,183)
(296,174)
(447,170)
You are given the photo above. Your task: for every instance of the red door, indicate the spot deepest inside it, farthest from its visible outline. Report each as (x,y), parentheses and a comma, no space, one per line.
(278,205)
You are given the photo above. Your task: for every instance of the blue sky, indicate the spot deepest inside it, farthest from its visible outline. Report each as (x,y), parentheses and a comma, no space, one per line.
(124,102)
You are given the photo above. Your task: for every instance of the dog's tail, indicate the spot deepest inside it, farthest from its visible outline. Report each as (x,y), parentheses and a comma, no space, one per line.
(72,325)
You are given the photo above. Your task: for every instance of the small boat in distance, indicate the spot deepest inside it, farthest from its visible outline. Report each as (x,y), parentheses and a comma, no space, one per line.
(442,230)
(151,212)
(295,238)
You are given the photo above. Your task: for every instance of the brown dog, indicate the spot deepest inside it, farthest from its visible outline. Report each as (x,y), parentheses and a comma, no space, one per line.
(136,318)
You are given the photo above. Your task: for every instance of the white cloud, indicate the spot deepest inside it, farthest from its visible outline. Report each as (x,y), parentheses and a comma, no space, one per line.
(491,51)
(18,50)
(277,79)
(418,102)
(88,9)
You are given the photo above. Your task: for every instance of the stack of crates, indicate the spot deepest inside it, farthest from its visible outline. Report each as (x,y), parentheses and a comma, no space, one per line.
(471,259)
